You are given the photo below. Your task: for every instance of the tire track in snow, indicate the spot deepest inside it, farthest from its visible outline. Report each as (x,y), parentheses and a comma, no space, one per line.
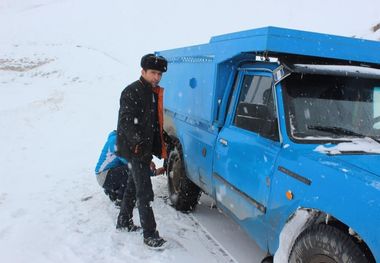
(210,242)
(213,246)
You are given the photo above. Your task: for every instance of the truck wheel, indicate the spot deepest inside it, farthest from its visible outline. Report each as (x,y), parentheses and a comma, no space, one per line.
(327,244)
(183,193)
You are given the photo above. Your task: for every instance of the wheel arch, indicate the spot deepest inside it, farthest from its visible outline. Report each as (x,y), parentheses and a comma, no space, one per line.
(301,220)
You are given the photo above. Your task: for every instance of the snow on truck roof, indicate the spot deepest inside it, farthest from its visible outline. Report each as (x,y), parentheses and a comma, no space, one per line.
(338,70)
(280,40)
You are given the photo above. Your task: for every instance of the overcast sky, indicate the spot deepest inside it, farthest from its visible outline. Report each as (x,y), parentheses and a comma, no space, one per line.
(126,31)
(186,22)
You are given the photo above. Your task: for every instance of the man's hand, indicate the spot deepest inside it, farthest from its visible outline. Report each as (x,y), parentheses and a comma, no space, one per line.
(155,171)
(160,171)
(137,149)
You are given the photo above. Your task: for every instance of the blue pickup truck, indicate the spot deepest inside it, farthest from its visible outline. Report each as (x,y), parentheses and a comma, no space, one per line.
(282,129)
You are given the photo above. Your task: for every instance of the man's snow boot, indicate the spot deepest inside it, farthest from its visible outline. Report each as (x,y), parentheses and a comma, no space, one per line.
(154,241)
(123,223)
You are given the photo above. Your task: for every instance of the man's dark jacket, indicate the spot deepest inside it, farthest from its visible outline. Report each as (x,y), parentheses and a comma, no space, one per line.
(140,123)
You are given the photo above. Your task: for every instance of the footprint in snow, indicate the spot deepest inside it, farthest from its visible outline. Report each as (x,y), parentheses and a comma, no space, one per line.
(3,196)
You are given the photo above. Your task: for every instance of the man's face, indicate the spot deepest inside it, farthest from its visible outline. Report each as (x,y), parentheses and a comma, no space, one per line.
(152,76)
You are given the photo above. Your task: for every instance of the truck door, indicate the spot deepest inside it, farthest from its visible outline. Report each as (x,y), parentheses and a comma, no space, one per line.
(247,147)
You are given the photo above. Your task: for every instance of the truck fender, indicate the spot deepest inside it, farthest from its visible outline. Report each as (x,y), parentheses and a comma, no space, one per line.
(295,225)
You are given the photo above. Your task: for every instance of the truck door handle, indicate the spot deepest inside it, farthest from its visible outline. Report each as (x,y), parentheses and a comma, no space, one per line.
(223,142)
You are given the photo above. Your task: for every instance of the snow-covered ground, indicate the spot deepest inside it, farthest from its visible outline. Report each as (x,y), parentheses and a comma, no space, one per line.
(53,124)
(63,64)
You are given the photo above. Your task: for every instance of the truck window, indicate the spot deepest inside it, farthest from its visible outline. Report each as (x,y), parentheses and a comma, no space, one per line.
(332,108)
(376,106)
(255,110)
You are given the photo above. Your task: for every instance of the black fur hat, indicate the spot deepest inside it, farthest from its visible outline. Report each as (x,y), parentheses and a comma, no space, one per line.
(151,61)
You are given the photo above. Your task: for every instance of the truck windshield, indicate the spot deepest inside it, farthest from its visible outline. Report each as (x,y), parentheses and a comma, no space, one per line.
(329,108)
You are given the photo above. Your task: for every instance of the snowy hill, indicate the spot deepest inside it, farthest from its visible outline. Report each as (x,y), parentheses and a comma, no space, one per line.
(63,64)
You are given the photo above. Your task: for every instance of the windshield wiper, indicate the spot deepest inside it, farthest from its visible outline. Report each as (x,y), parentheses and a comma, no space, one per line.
(335,130)
(375,138)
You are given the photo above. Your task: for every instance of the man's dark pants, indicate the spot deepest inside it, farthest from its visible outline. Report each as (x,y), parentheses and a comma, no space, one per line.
(139,186)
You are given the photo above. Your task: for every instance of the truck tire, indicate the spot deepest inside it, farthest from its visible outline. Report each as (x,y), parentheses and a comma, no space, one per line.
(327,244)
(183,193)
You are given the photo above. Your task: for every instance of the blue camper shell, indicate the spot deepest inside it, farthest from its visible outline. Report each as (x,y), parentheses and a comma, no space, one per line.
(263,172)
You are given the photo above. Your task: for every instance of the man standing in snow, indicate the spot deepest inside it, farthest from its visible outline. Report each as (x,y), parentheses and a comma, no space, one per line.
(139,135)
